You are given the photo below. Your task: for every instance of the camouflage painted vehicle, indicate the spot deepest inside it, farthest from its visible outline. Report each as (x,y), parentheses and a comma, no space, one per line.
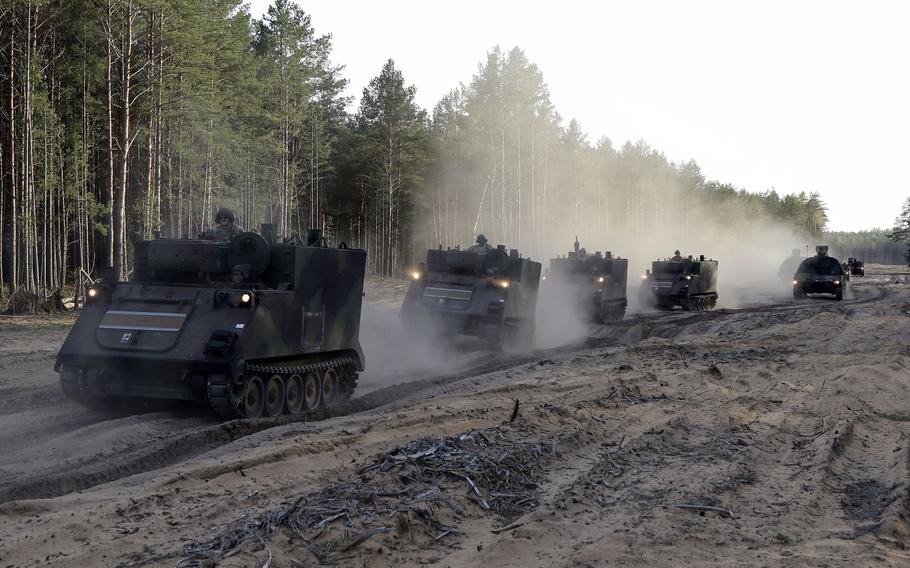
(820,274)
(253,327)
(688,283)
(491,295)
(597,281)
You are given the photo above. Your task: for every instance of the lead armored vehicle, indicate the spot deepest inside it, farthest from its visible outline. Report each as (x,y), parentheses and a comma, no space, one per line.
(253,327)
(685,282)
(491,295)
(820,274)
(597,281)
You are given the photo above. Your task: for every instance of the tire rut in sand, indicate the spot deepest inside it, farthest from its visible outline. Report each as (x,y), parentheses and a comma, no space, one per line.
(106,466)
(867,469)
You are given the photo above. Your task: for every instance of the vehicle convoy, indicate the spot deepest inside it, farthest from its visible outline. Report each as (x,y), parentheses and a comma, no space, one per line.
(597,281)
(254,327)
(488,293)
(820,274)
(856,267)
(685,282)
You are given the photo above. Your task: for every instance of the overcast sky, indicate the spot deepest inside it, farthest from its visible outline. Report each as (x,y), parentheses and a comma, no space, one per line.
(795,96)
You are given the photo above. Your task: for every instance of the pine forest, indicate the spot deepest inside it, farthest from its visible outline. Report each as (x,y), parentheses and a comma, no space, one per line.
(123,119)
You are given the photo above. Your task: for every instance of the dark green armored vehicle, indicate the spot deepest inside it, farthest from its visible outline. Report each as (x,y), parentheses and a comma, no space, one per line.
(686,282)
(489,294)
(820,274)
(856,267)
(597,281)
(253,327)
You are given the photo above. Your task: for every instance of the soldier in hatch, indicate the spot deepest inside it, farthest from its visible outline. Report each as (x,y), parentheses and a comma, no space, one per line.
(224,229)
(481,247)
(676,257)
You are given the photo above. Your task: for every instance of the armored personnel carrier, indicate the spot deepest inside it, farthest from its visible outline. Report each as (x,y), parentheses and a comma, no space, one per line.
(597,282)
(253,327)
(820,274)
(687,282)
(856,267)
(492,295)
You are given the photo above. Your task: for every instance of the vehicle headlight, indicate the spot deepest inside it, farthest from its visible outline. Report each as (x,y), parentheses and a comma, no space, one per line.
(837,282)
(502,283)
(687,277)
(796,282)
(246,298)
(600,278)
(97,294)
(644,276)
(415,275)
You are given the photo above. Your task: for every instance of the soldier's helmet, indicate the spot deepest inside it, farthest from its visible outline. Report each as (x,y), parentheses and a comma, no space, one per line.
(481,239)
(676,252)
(821,250)
(224,213)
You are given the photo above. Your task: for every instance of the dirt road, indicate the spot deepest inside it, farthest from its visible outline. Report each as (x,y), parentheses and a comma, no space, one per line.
(772,434)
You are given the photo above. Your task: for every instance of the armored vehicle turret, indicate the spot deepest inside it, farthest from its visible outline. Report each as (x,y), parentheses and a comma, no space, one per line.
(253,327)
(489,294)
(596,281)
(686,282)
(820,274)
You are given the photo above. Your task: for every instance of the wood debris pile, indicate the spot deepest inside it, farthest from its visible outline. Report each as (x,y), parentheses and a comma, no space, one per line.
(416,491)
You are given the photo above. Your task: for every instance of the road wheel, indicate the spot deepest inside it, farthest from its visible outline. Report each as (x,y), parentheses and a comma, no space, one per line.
(311,391)
(274,396)
(329,388)
(798,294)
(253,403)
(293,394)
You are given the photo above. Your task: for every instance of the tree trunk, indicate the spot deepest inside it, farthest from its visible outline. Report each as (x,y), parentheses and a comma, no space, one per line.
(119,231)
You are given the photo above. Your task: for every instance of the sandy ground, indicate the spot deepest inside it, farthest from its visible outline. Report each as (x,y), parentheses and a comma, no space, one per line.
(761,435)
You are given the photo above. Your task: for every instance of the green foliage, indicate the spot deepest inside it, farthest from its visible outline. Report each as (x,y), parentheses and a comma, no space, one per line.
(229,110)
(391,139)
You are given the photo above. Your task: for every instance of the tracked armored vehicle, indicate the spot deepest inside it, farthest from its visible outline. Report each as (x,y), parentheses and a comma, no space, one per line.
(856,267)
(688,283)
(252,327)
(597,282)
(820,274)
(491,295)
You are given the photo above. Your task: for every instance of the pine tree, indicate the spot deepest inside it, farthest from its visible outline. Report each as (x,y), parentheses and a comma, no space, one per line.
(393,136)
(901,231)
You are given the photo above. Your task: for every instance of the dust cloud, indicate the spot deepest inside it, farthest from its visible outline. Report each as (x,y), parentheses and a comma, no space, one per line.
(396,354)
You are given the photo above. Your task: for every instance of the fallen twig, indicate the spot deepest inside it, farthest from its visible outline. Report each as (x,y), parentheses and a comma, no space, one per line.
(514,412)
(477,491)
(507,528)
(363,536)
(446,532)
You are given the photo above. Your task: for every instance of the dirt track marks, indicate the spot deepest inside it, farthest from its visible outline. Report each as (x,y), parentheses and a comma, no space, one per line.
(164,447)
